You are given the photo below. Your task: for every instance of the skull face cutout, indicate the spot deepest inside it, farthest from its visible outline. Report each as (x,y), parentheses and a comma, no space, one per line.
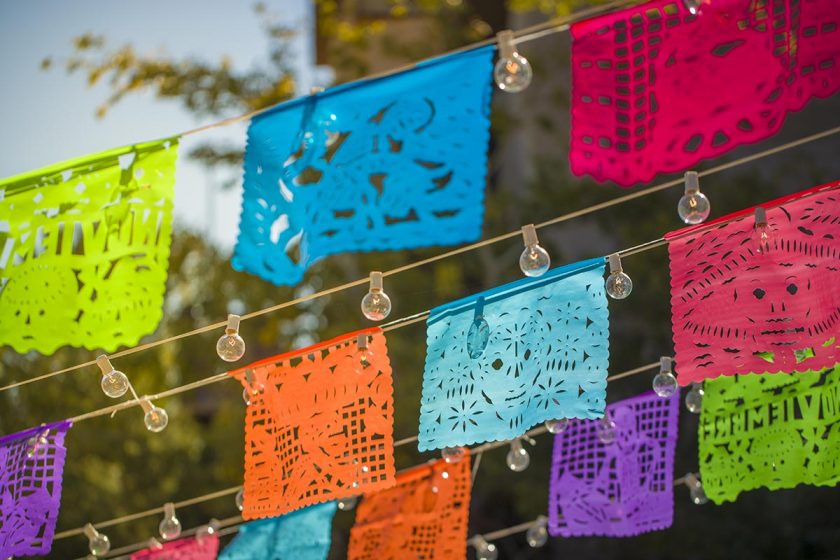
(737,309)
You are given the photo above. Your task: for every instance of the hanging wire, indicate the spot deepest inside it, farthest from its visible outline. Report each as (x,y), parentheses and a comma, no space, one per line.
(452,253)
(478,450)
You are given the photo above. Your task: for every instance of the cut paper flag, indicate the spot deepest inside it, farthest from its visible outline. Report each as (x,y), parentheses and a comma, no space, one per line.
(739,309)
(657,90)
(504,360)
(301,535)
(85,249)
(319,425)
(390,163)
(769,431)
(205,547)
(424,516)
(617,489)
(31,471)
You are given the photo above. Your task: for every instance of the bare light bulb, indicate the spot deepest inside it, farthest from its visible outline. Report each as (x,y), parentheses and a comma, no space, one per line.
(695,489)
(694,398)
(517,458)
(376,305)
(114,383)
(761,235)
(537,534)
(155,418)
(36,443)
(534,260)
(694,6)
(694,206)
(98,543)
(618,284)
(606,430)
(169,527)
(483,549)
(230,347)
(252,387)
(207,530)
(365,355)
(512,71)
(346,504)
(556,426)
(240,499)
(452,455)
(664,382)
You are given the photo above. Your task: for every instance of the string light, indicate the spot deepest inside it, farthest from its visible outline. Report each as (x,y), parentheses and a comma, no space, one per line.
(556,426)
(36,443)
(452,455)
(606,429)
(762,231)
(114,383)
(239,500)
(512,72)
(211,528)
(537,534)
(534,260)
(694,398)
(155,418)
(478,336)
(376,305)
(154,544)
(517,458)
(693,6)
(169,527)
(98,543)
(694,206)
(483,549)
(664,382)
(346,504)
(365,354)
(618,284)
(230,347)
(695,488)
(253,387)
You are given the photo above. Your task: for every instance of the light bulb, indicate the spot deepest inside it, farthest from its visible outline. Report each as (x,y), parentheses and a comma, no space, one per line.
(452,455)
(761,235)
(155,418)
(365,356)
(537,534)
(376,305)
(694,398)
(693,6)
(512,72)
(556,426)
(606,430)
(207,530)
(695,489)
(477,337)
(252,387)
(98,543)
(346,504)
(483,549)
(114,383)
(618,284)
(240,499)
(664,382)
(169,527)
(517,458)
(230,346)
(694,206)
(534,260)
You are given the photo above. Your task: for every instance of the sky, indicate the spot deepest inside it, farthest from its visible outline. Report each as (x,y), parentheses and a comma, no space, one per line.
(49,116)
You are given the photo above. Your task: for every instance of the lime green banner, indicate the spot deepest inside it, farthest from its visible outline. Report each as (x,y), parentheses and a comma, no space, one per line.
(84,249)
(772,431)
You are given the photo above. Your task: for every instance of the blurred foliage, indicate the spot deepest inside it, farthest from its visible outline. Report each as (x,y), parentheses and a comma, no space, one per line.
(115,467)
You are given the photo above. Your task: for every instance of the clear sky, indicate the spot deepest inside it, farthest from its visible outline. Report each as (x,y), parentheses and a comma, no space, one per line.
(49,116)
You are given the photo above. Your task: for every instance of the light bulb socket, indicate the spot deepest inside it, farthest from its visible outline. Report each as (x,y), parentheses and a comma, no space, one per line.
(542,520)
(90,531)
(760,216)
(375,281)
(665,364)
(250,378)
(169,510)
(692,480)
(233,324)
(505,41)
(315,90)
(104,364)
(692,182)
(615,263)
(529,235)
(146,405)
(478,542)
(154,544)
(362,341)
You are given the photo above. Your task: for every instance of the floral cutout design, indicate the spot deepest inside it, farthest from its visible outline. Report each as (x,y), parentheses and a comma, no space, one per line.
(31,471)
(319,425)
(545,357)
(656,89)
(616,489)
(304,534)
(205,547)
(84,249)
(769,431)
(737,309)
(424,516)
(392,163)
